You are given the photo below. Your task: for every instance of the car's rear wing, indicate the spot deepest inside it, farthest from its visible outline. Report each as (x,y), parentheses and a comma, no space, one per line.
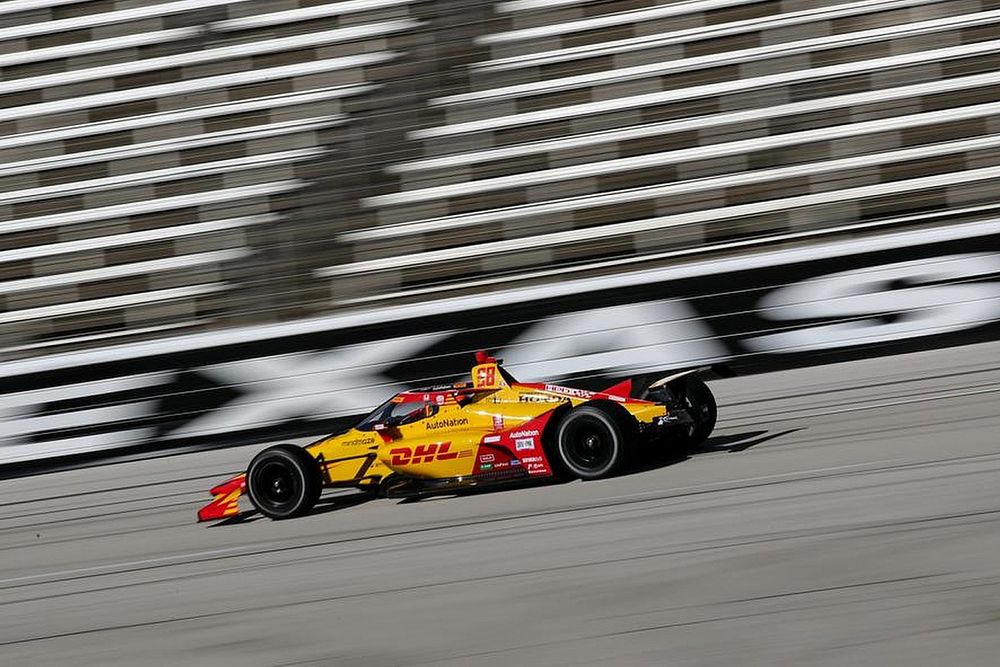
(712,371)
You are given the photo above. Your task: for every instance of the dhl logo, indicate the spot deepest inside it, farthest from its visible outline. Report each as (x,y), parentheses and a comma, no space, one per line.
(404,456)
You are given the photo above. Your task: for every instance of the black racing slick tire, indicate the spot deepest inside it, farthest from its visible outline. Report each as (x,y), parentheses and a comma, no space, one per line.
(591,442)
(700,404)
(284,481)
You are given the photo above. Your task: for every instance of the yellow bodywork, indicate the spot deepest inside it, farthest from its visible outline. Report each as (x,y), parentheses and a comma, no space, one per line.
(440,432)
(444,445)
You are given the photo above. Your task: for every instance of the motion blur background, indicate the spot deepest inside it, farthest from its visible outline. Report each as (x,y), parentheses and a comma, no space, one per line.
(182,166)
(234,216)
(225,223)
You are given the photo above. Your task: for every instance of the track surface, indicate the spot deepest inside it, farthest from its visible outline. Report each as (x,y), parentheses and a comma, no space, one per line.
(842,515)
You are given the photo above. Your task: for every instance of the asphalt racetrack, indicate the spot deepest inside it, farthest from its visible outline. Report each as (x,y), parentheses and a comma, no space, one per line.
(841,515)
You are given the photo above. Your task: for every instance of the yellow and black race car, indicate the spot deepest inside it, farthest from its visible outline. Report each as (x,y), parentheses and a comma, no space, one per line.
(491,430)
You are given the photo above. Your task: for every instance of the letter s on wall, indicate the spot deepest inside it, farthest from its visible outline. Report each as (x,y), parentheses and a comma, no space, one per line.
(924,297)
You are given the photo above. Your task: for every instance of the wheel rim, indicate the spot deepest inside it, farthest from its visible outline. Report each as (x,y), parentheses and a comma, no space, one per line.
(589,446)
(698,414)
(700,406)
(276,485)
(697,410)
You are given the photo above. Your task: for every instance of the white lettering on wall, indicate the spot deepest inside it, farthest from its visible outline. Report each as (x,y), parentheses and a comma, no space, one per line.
(628,338)
(885,303)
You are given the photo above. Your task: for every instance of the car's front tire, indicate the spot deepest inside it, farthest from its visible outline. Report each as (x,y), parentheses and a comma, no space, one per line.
(284,481)
(591,442)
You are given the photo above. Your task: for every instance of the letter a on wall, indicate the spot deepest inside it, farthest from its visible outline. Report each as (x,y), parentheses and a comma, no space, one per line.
(629,338)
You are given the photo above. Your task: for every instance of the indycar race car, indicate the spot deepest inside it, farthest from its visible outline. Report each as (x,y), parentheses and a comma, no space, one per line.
(491,430)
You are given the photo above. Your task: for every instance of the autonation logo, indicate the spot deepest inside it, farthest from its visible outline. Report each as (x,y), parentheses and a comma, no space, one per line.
(447,423)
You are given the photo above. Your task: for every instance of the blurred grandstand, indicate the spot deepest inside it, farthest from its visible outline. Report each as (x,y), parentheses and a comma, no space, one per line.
(186,165)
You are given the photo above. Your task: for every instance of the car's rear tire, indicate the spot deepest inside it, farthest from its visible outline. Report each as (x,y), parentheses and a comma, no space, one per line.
(700,404)
(592,442)
(284,481)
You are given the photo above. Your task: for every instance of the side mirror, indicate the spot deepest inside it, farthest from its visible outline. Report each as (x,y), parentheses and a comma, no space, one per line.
(387,432)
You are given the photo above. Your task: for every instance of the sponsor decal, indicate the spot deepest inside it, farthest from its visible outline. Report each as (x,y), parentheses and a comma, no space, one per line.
(486,466)
(486,458)
(569,391)
(439,399)
(524,443)
(359,441)
(525,434)
(404,456)
(537,398)
(515,462)
(489,439)
(531,459)
(497,422)
(446,423)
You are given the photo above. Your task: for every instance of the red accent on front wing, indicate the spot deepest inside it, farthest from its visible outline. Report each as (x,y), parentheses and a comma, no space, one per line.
(230,485)
(226,502)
